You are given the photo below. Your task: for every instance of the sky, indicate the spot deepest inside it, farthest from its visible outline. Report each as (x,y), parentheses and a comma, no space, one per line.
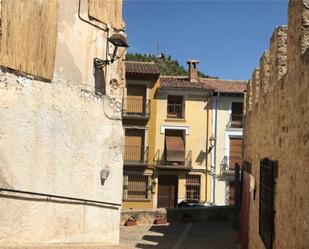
(228,37)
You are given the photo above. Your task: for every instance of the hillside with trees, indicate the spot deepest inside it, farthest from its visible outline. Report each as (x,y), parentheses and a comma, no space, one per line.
(166,64)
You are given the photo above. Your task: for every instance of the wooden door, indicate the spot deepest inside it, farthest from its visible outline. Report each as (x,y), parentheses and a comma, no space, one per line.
(167,191)
(244,211)
(235,152)
(136,95)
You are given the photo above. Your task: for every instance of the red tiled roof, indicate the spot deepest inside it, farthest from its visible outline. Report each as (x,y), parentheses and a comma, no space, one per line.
(180,82)
(141,68)
(228,86)
(218,85)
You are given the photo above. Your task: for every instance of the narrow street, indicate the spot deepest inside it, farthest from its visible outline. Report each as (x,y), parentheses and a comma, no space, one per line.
(199,235)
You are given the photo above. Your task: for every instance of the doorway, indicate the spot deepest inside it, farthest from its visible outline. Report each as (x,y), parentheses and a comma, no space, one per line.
(167,191)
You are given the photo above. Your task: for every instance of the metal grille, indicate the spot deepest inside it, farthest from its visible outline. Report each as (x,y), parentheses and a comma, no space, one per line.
(138,154)
(136,106)
(193,187)
(236,121)
(268,173)
(137,187)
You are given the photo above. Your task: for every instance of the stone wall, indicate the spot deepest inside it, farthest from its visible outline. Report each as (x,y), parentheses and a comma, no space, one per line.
(56,137)
(277,127)
(187,214)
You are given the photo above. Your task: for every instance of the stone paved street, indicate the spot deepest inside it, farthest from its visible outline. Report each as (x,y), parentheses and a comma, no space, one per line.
(199,235)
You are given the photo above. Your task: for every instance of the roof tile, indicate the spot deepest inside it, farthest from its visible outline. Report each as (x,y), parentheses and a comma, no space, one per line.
(141,68)
(218,85)
(178,82)
(227,86)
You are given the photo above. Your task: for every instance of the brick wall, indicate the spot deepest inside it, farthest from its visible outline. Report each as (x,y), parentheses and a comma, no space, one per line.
(277,127)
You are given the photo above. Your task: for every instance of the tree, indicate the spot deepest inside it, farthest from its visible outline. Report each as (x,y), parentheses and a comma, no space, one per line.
(166,64)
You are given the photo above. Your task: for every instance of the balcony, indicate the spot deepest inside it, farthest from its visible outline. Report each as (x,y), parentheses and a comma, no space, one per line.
(227,167)
(162,162)
(175,111)
(135,155)
(235,121)
(135,108)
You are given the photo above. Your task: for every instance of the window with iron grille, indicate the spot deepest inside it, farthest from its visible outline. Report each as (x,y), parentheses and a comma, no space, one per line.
(136,187)
(193,188)
(268,173)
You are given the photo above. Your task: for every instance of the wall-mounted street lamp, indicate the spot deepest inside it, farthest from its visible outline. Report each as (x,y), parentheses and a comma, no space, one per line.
(212,141)
(119,41)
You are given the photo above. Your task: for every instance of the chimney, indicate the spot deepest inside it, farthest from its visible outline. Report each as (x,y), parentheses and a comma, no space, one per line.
(193,73)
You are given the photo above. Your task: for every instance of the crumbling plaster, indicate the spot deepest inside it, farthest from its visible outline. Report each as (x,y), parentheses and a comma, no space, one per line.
(55,138)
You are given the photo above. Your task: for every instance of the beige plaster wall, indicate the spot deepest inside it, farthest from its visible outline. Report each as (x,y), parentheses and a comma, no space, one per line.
(277,128)
(56,138)
(78,43)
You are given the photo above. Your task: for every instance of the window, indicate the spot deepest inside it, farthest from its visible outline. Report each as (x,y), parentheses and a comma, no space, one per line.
(174,147)
(137,187)
(268,172)
(237,115)
(175,107)
(193,188)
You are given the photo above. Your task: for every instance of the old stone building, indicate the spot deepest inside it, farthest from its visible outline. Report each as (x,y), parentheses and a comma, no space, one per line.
(61,86)
(276,136)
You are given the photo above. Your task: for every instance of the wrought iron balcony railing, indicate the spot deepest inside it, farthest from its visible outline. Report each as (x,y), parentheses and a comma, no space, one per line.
(175,111)
(135,154)
(136,106)
(235,121)
(228,164)
(162,162)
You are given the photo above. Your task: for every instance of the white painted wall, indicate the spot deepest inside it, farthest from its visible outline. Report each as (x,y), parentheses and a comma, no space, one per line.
(223,142)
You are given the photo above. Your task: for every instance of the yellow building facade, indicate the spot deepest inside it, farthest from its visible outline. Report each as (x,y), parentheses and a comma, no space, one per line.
(181,142)
(170,152)
(139,117)
(177,117)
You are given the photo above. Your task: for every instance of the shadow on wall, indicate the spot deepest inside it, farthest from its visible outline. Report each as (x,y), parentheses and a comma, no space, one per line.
(99,79)
(201,157)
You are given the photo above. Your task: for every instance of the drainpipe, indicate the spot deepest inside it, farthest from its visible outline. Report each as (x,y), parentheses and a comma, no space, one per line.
(214,154)
(207,145)
(92,24)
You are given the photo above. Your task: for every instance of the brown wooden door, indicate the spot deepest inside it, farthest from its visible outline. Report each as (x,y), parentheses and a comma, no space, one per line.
(244,212)
(167,191)
(235,152)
